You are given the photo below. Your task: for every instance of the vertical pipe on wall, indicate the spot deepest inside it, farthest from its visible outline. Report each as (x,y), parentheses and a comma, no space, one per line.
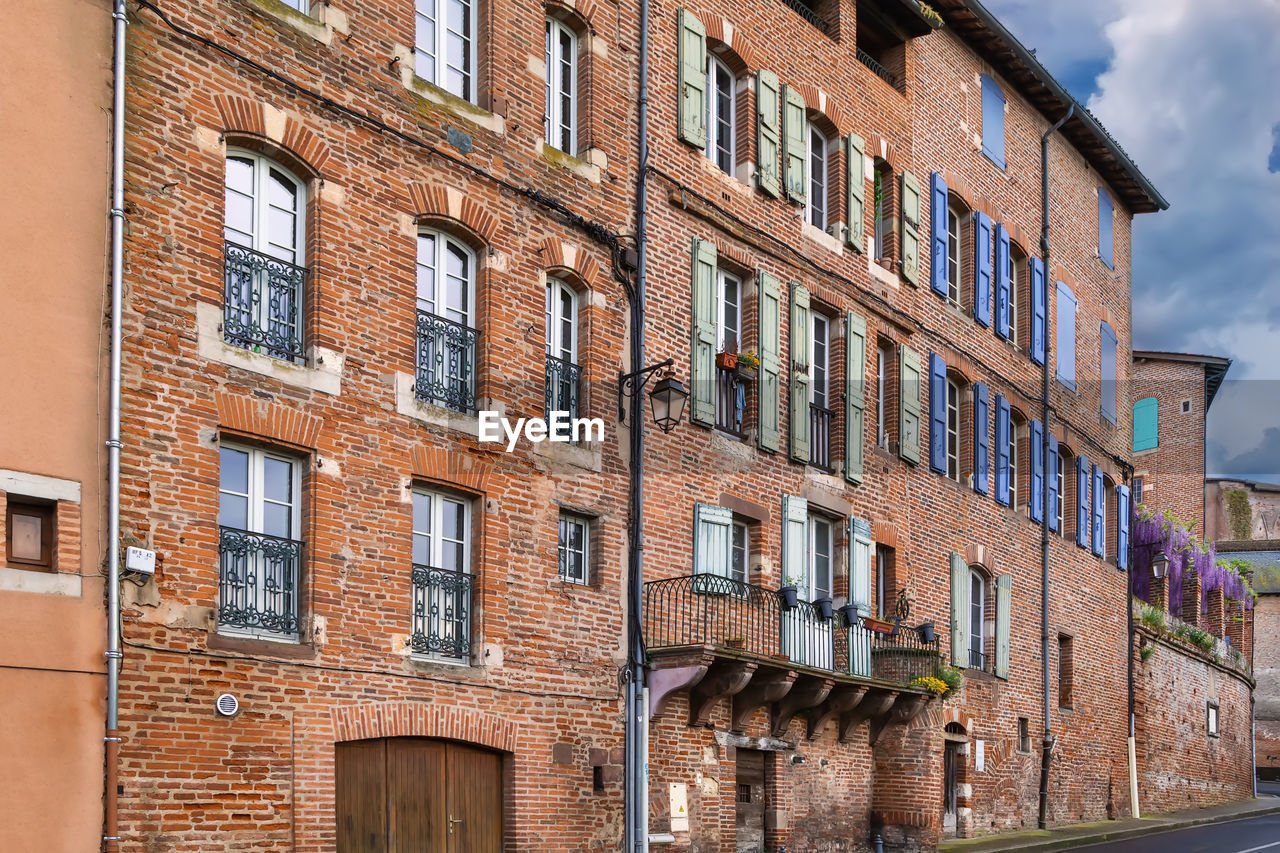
(1134,809)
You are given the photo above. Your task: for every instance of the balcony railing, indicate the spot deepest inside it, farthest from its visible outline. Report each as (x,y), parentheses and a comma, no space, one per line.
(819,436)
(441,613)
(563,382)
(262,303)
(710,610)
(731,400)
(446,363)
(880,71)
(977,660)
(808,14)
(258,582)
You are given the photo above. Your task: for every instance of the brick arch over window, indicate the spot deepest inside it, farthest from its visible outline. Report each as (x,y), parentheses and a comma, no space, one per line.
(558,255)
(296,146)
(435,204)
(420,719)
(981,555)
(955,715)
(735,44)
(581,14)
(455,469)
(262,418)
(819,101)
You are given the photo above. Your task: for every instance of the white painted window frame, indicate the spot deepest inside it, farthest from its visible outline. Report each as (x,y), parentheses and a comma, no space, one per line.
(558,324)
(569,520)
(556,125)
(818,158)
(715,118)
(429,10)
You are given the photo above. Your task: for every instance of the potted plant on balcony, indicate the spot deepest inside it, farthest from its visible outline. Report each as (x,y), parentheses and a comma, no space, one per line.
(849,611)
(790,592)
(880,626)
(748,363)
(726,360)
(824,607)
(927,634)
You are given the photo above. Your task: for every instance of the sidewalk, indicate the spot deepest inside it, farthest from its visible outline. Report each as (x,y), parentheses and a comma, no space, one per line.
(1080,834)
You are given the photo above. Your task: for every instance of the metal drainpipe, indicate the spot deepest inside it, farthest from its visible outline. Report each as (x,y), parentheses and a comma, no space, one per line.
(1046,747)
(1135,811)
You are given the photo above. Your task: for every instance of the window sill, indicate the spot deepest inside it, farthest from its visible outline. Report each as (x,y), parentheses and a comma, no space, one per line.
(878,272)
(589,166)
(321,27)
(408,404)
(325,378)
(17,579)
(460,107)
(432,660)
(257,644)
(822,238)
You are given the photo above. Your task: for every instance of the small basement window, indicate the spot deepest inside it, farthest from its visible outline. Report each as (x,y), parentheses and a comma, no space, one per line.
(29,533)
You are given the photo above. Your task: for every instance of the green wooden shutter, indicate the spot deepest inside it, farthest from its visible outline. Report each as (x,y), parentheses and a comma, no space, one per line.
(712,535)
(692,82)
(702,371)
(799,374)
(1146,431)
(910,228)
(795,542)
(769,392)
(768,131)
(855,154)
(855,394)
(909,404)
(860,565)
(793,147)
(1003,585)
(959,611)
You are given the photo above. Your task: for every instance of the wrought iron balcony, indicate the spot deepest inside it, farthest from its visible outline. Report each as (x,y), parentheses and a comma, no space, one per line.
(977,660)
(262,303)
(446,372)
(879,70)
(819,437)
(731,400)
(441,613)
(803,10)
(563,381)
(258,582)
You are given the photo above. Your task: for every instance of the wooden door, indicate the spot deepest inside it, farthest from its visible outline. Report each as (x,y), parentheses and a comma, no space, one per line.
(361,796)
(416,795)
(750,801)
(950,750)
(474,799)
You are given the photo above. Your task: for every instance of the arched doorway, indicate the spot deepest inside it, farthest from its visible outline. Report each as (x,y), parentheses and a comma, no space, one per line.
(954,747)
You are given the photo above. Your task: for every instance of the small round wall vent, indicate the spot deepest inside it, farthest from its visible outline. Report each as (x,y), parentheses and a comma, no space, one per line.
(228,705)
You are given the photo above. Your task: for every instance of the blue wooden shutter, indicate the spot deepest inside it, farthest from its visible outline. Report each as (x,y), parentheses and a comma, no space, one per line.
(1122,527)
(1039,300)
(1052,474)
(1002,450)
(993,121)
(1099,508)
(1109,344)
(691,82)
(1036,481)
(712,535)
(1082,501)
(1004,585)
(982,268)
(1065,343)
(702,372)
(1105,217)
(981,439)
(1002,281)
(1146,424)
(768,132)
(938,218)
(937,413)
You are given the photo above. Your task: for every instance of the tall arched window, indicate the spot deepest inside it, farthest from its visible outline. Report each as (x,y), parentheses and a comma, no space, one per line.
(265,231)
(977,616)
(446,370)
(560,120)
(819,177)
(721,110)
(563,372)
(445,45)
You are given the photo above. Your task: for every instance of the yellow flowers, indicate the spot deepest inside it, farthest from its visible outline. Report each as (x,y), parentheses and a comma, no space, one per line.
(936,686)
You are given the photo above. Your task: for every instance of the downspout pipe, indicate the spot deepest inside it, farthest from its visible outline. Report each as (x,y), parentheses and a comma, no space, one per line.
(1046,747)
(1135,810)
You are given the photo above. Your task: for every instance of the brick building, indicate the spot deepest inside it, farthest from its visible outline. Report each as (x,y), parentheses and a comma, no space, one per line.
(1241,509)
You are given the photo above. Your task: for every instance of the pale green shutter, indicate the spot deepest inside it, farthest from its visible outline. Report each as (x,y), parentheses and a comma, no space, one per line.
(795,543)
(855,394)
(855,154)
(1003,586)
(799,372)
(770,361)
(793,147)
(909,404)
(860,565)
(959,611)
(910,228)
(712,534)
(702,371)
(692,82)
(768,131)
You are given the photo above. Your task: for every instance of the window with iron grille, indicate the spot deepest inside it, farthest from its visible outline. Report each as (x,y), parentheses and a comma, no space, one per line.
(564,373)
(441,579)
(574,549)
(820,402)
(447,343)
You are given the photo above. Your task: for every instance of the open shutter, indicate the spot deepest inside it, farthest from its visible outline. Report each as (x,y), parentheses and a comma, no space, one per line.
(794,156)
(938,219)
(1037,471)
(1109,344)
(768,131)
(937,413)
(692,85)
(1082,502)
(1099,507)
(910,228)
(860,565)
(1002,450)
(856,215)
(1002,281)
(795,542)
(981,439)
(1039,299)
(855,394)
(1052,474)
(712,535)
(982,268)
(702,371)
(799,372)
(909,404)
(1122,527)
(1004,584)
(770,362)
(959,610)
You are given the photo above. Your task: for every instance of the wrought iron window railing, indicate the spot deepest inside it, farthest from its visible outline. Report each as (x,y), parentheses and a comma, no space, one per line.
(441,613)
(819,436)
(446,372)
(731,400)
(262,303)
(809,15)
(879,70)
(563,382)
(258,581)
(977,660)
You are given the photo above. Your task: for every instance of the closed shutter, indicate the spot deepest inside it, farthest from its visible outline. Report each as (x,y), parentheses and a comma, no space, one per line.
(1004,584)
(795,542)
(938,220)
(1054,496)
(860,565)
(799,372)
(1002,450)
(1065,339)
(692,84)
(856,214)
(1003,282)
(1105,218)
(712,534)
(1099,508)
(1039,332)
(702,371)
(937,413)
(909,404)
(1082,501)
(1122,527)
(1146,424)
(770,403)
(855,394)
(794,155)
(1108,342)
(959,610)
(981,439)
(910,228)
(1037,471)
(982,268)
(768,131)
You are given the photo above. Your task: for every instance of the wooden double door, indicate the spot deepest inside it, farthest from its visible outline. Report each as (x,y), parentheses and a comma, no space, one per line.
(418,795)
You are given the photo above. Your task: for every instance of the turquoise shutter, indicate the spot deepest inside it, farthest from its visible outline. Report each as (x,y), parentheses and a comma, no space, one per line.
(1039,298)
(799,372)
(1037,471)
(692,82)
(910,228)
(1082,501)
(795,543)
(937,413)
(1002,450)
(959,611)
(769,387)
(1146,424)
(856,214)
(1122,527)
(768,131)
(909,404)
(702,371)
(855,394)
(981,439)
(860,565)
(1052,474)
(1004,585)
(1099,507)
(982,268)
(1002,281)
(938,219)
(712,535)
(794,158)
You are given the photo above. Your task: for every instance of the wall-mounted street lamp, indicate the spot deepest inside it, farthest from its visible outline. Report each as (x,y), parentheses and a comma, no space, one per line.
(668,396)
(1160,566)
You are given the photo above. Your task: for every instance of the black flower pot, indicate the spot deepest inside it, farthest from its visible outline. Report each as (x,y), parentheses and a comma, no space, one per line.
(790,597)
(926,632)
(850,613)
(824,608)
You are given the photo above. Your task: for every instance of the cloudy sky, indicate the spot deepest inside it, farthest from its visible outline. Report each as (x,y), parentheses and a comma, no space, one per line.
(1191,89)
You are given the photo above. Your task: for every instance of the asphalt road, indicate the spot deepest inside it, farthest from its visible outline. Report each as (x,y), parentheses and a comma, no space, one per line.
(1255,835)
